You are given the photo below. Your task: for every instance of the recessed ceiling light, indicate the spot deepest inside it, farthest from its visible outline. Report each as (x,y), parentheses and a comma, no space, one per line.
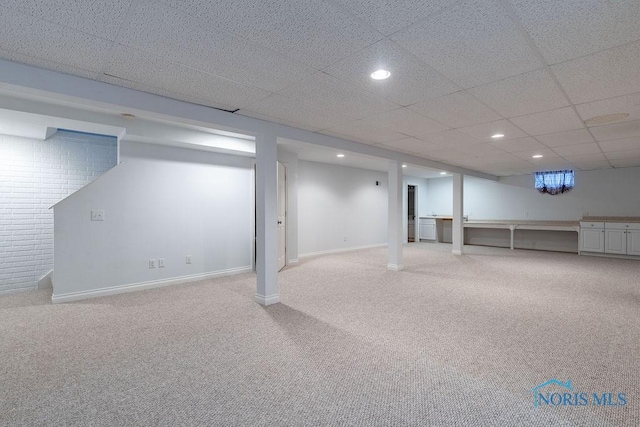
(443,173)
(497,135)
(340,155)
(537,156)
(380,75)
(404,166)
(607,118)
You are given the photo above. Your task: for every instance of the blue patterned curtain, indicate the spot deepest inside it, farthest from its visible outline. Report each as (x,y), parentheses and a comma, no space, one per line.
(554,182)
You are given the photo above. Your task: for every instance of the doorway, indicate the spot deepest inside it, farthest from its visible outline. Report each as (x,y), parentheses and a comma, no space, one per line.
(282,216)
(411,212)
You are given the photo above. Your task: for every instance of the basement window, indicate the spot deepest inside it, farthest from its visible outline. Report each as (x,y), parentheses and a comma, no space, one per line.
(554,182)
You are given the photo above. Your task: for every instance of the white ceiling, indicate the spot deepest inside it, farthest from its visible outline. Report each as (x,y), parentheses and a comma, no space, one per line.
(460,70)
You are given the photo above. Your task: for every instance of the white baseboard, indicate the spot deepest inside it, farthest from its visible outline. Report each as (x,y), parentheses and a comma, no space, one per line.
(114,290)
(293,261)
(267,300)
(336,251)
(395,267)
(456,252)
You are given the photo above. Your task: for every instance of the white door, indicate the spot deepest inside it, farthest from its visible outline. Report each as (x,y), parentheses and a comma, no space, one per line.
(282,209)
(615,242)
(592,240)
(633,242)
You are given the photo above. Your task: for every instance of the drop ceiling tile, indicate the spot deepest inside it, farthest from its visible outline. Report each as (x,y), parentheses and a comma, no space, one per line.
(43,63)
(578,149)
(480,150)
(585,158)
(587,166)
(522,94)
(405,121)
(567,29)
(606,74)
(276,120)
(620,144)
(520,144)
(528,155)
(411,145)
(552,164)
(163,92)
(303,112)
(485,130)
(98,18)
(456,110)
(391,16)
(626,163)
(40,39)
(411,81)
(450,138)
(162,31)
(620,156)
(181,79)
(365,132)
(559,139)
(616,131)
(450,155)
(549,121)
(332,94)
(473,43)
(629,104)
(132,64)
(316,33)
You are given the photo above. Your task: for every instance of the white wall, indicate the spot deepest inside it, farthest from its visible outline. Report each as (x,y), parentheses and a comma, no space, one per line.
(610,192)
(337,203)
(34,175)
(161,202)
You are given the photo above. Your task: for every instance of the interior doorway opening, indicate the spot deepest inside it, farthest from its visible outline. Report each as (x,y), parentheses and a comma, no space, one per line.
(411,213)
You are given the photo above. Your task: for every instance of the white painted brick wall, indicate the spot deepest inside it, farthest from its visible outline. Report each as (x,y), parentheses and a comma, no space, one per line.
(34,175)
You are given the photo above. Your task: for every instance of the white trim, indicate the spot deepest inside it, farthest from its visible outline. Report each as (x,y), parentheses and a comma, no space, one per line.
(456,252)
(114,290)
(335,251)
(293,261)
(395,267)
(606,255)
(267,300)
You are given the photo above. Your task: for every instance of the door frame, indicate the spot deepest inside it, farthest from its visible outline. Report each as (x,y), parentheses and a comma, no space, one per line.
(286,210)
(416,228)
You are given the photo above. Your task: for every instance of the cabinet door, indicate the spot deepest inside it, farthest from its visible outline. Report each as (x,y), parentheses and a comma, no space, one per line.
(428,231)
(633,242)
(592,240)
(615,241)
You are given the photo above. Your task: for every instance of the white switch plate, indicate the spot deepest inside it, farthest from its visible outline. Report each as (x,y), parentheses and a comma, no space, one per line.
(152,263)
(97,215)
(188,259)
(161,263)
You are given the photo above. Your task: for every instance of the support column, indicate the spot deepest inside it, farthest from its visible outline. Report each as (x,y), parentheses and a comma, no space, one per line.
(457,234)
(395,216)
(268,289)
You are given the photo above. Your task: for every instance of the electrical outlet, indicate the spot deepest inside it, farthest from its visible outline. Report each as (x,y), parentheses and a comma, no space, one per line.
(526,214)
(161,263)
(97,215)
(345,238)
(152,263)
(188,259)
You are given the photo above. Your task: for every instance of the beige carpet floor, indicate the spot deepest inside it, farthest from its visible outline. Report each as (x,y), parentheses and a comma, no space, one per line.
(449,341)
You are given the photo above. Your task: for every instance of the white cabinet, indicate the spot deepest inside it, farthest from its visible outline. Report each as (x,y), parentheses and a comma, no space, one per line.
(428,229)
(615,238)
(615,242)
(592,239)
(633,242)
